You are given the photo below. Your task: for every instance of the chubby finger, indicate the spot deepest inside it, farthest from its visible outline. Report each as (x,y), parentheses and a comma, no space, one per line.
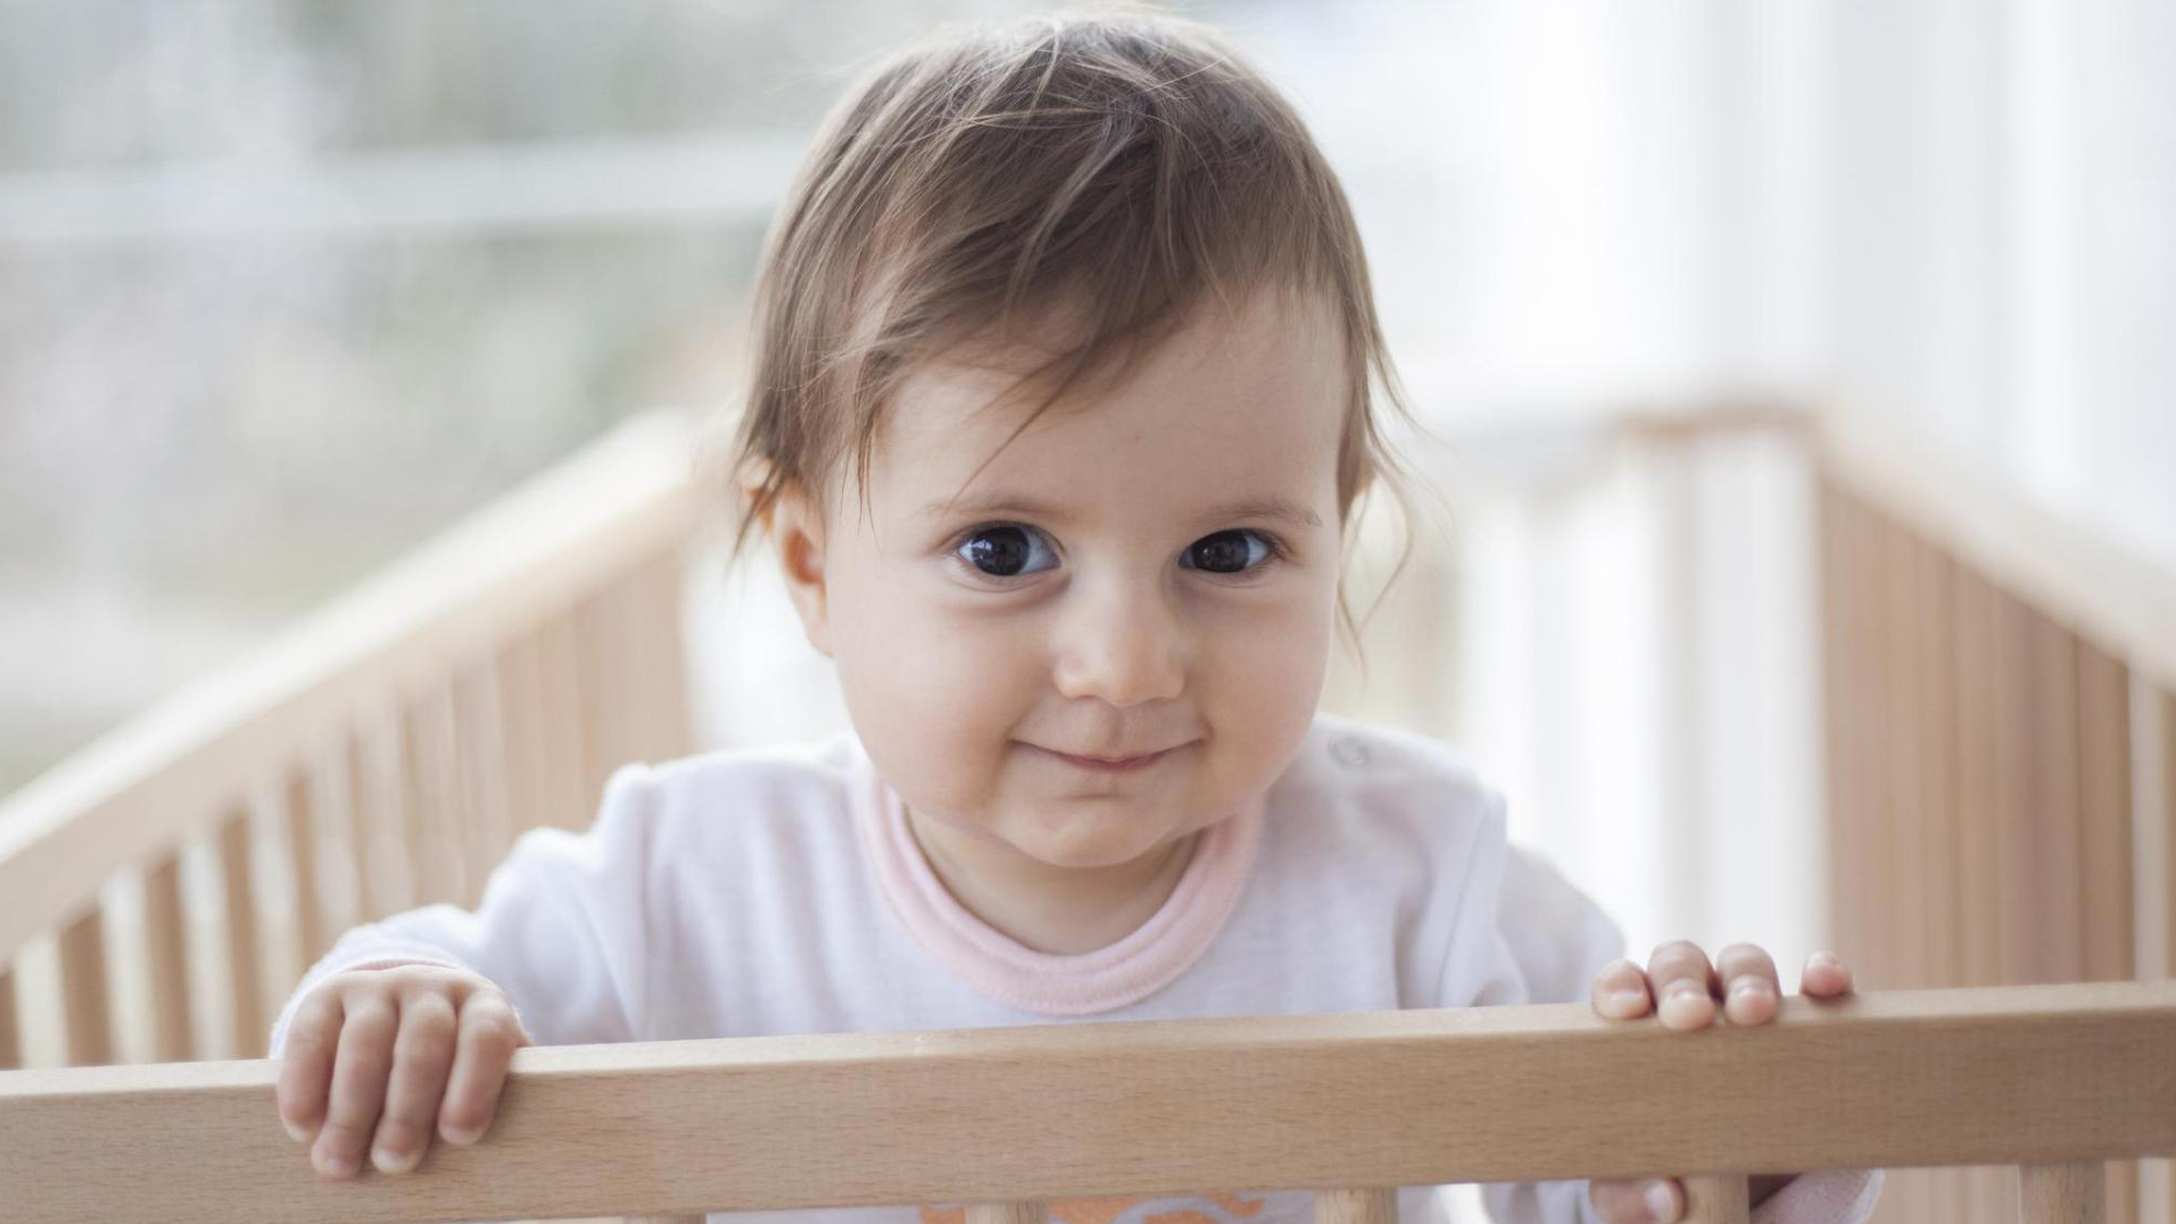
(422,1055)
(1619,991)
(358,1087)
(306,1064)
(490,1033)
(1684,983)
(1654,1200)
(1751,993)
(1826,975)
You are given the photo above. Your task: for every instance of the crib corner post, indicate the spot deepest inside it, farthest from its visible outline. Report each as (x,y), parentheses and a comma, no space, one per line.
(2070,1192)
(1365,1205)
(1726,1199)
(1026,1211)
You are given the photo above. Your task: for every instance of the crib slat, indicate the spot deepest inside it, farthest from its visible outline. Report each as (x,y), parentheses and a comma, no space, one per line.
(565,748)
(2155,801)
(1902,903)
(1365,1205)
(302,849)
(480,756)
(2056,821)
(1032,1211)
(664,662)
(2104,797)
(1978,867)
(593,659)
(2069,1193)
(83,991)
(11,1039)
(1717,1200)
(2017,919)
(245,973)
(1990,1191)
(426,812)
(521,734)
(385,883)
(167,954)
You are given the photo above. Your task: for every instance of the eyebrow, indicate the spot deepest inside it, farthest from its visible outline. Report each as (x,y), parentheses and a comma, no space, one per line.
(1279,508)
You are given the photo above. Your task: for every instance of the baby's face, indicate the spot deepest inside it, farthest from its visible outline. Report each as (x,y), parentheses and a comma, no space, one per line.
(1153,573)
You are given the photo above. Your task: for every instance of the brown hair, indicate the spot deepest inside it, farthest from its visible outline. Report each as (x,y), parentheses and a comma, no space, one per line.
(1127,164)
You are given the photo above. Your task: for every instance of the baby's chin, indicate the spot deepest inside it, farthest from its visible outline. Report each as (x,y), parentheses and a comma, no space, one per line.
(1085,837)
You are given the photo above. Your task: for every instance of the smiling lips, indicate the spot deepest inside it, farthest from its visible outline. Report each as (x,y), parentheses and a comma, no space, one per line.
(1107,764)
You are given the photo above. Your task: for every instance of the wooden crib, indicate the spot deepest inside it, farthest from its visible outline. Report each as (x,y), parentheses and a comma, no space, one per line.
(166,887)
(2057,1078)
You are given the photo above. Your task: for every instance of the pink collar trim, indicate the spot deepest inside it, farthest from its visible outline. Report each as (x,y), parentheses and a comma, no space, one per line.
(1053,984)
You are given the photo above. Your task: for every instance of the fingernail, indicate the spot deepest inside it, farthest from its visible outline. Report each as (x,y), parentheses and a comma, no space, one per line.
(1659,1202)
(460,1135)
(340,1165)
(389,1162)
(1627,998)
(1829,959)
(295,1131)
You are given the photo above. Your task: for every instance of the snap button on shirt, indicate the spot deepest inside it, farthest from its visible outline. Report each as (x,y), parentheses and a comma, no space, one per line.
(1349,751)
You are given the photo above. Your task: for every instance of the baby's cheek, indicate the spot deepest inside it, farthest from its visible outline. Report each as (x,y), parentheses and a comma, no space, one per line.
(934,704)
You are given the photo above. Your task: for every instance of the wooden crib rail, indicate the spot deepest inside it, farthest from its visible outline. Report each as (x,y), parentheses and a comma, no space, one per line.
(2054,1078)
(484,684)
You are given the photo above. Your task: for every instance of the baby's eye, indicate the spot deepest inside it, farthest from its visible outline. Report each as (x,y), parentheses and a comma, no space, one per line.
(1228,552)
(1005,551)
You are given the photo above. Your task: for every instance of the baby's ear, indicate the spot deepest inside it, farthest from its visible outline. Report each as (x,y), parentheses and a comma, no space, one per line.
(796,526)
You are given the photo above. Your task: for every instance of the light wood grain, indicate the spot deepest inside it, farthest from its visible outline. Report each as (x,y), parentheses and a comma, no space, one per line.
(11,1039)
(2017,912)
(1717,1200)
(1363,1205)
(245,959)
(2120,599)
(300,808)
(523,740)
(84,1002)
(166,950)
(563,756)
(664,661)
(142,789)
(1910,1078)
(384,875)
(1030,1211)
(2064,1193)
(480,751)
(2058,874)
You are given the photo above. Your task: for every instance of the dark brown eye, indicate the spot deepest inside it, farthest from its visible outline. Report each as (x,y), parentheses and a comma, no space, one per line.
(1004,551)
(1226,552)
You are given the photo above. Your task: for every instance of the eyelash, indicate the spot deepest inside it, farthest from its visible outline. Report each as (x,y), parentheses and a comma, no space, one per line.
(1274,548)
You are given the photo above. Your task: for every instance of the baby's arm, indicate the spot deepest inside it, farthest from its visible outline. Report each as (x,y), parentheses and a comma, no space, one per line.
(558,943)
(562,927)
(1525,934)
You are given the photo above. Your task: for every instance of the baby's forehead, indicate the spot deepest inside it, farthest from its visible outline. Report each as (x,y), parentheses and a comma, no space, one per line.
(1256,399)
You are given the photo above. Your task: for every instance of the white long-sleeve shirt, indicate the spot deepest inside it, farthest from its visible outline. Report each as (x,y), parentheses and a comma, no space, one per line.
(779,890)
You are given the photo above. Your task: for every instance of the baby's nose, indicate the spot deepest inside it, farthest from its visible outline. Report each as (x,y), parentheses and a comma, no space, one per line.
(1126,649)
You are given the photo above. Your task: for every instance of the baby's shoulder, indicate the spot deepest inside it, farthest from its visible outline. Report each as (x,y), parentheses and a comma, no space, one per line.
(731,794)
(1380,773)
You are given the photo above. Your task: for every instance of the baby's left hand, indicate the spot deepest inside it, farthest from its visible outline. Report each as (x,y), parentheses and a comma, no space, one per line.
(1685,990)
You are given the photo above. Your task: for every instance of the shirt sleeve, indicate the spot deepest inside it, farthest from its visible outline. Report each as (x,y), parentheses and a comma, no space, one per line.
(562,927)
(1525,934)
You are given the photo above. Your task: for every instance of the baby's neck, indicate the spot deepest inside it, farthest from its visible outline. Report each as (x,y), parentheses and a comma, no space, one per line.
(1058,910)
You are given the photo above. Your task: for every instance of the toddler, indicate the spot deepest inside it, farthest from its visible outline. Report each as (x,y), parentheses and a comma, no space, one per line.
(1061,405)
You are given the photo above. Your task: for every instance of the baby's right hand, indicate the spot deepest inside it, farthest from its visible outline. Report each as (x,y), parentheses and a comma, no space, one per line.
(400,1048)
